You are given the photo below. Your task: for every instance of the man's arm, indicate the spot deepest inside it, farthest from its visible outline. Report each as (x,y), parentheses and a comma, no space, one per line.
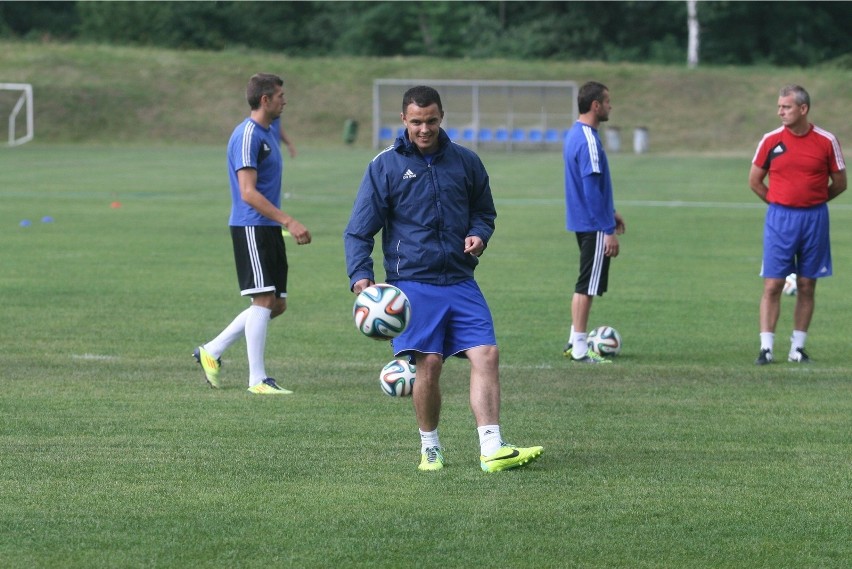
(367,218)
(247,178)
(838,184)
(291,148)
(755,181)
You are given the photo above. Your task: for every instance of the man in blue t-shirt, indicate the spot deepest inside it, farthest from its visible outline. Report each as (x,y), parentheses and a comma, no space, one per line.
(590,213)
(256,221)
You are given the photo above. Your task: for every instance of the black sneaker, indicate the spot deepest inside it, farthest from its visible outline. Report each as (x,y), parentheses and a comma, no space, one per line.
(764,358)
(798,355)
(566,351)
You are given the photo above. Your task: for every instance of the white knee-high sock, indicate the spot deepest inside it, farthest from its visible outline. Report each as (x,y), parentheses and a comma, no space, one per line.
(256,326)
(233,332)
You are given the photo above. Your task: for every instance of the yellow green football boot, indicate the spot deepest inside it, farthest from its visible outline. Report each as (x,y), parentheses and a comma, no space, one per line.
(209,364)
(509,456)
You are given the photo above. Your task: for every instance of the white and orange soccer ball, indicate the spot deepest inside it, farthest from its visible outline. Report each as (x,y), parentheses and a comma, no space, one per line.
(397,378)
(605,341)
(381,312)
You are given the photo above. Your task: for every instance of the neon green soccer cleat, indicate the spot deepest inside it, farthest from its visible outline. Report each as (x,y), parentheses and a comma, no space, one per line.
(591,358)
(268,387)
(509,456)
(209,364)
(431,459)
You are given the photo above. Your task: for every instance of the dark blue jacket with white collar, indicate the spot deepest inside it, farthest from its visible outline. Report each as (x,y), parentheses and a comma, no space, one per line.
(424,211)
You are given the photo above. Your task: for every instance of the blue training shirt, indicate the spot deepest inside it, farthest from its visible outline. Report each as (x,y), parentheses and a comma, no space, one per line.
(252,146)
(589,204)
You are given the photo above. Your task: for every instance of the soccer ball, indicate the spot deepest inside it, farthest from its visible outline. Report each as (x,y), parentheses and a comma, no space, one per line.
(605,341)
(790,286)
(397,378)
(381,312)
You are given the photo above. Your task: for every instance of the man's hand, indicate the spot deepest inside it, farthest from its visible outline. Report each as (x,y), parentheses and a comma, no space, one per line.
(474,245)
(611,245)
(361,285)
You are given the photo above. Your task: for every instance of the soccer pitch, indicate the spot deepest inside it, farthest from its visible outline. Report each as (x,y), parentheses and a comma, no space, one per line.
(114,453)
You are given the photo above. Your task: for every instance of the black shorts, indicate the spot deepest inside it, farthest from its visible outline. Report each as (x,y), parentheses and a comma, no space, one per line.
(594,265)
(261,259)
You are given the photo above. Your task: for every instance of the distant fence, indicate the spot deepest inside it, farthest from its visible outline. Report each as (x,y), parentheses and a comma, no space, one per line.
(507,114)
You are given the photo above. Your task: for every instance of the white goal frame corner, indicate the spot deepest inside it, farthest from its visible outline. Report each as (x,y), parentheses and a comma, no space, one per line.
(25,100)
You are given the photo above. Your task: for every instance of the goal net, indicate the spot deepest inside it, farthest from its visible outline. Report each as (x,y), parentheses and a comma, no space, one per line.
(16,104)
(499,114)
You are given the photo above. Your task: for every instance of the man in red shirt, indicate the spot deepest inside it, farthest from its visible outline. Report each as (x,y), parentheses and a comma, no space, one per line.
(806,170)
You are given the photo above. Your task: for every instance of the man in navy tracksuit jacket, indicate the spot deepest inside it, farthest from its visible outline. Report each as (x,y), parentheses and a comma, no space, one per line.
(432,201)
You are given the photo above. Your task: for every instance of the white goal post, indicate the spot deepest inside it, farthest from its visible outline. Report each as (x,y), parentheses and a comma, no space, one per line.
(493,114)
(25,100)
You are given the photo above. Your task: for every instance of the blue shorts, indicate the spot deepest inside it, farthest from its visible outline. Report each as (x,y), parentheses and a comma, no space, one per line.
(445,319)
(795,240)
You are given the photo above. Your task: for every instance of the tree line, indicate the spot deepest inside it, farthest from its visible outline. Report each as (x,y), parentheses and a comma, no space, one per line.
(732,32)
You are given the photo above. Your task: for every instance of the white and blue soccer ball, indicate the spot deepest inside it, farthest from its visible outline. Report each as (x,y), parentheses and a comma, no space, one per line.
(790,286)
(397,378)
(605,341)
(381,312)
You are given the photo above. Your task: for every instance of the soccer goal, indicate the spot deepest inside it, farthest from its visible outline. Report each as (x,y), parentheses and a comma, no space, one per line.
(14,98)
(498,114)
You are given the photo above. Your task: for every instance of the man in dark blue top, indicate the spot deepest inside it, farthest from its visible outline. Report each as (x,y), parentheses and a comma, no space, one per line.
(432,201)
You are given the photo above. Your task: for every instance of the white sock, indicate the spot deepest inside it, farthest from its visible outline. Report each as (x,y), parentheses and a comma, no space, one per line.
(489,439)
(798,340)
(233,332)
(571,335)
(581,346)
(767,340)
(256,326)
(428,440)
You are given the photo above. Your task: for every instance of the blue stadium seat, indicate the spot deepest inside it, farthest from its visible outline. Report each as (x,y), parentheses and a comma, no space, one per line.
(536,135)
(486,135)
(385,133)
(501,135)
(551,136)
(453,133)
(518,135)
(469,134)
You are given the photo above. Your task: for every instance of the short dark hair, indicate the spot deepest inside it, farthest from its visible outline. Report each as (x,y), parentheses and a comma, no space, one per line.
(590,92)
(259,85)
(422,96)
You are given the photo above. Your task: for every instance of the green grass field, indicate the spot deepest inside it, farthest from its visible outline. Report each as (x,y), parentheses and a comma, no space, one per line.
(114,453)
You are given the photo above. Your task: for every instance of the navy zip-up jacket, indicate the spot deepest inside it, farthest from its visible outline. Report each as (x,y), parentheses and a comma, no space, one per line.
(424,211)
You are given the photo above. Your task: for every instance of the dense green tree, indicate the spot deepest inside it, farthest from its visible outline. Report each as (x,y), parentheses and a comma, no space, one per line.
(38,19)
(732,32)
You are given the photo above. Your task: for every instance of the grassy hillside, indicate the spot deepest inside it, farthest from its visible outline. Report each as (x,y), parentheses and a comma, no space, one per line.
(103,94)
